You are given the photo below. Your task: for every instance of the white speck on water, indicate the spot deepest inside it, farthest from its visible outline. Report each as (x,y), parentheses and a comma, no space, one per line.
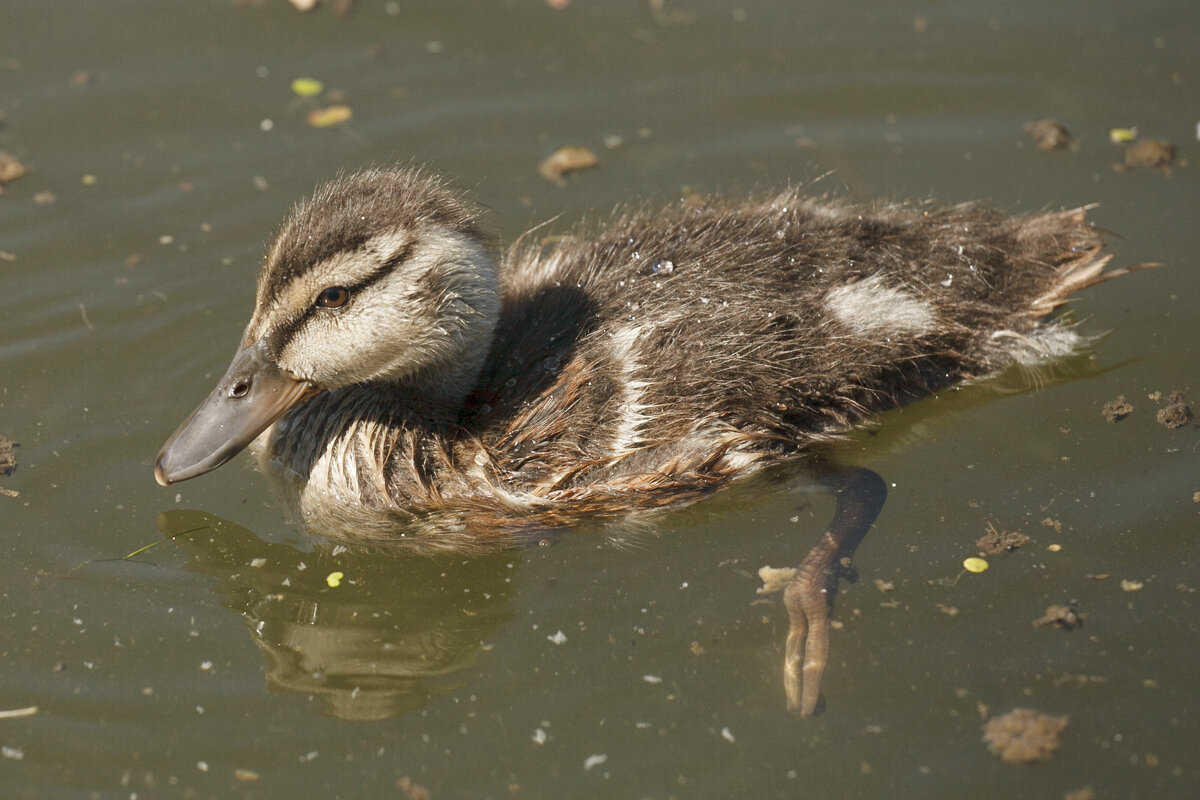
(594,760)
(539,736)
(205,665)
(652,679)
(202,766)
(258,562)
(15,753)
(558,638)
(727,735)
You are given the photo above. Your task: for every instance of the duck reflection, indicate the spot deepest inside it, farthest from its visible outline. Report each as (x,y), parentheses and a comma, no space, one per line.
(373,636)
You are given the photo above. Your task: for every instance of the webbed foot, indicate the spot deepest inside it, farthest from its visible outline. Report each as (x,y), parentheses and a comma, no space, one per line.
(809,595)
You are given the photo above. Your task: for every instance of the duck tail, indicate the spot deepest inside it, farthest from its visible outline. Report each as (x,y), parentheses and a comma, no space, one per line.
(1082,265)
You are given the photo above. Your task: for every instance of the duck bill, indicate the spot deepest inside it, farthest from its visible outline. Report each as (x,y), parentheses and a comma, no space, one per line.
(253,393)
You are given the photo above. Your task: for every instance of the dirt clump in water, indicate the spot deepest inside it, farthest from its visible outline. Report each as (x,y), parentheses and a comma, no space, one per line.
(1023,735)
(1065,618)
(1116,410)
(995,542)
(1176,413)
(8,462)
(1150,153)
(1050,134)
(10,169)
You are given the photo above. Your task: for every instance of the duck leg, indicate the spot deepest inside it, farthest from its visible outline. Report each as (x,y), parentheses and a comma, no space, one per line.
(809,595)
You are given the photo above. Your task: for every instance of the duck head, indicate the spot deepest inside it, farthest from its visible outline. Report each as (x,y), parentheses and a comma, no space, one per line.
(380,277)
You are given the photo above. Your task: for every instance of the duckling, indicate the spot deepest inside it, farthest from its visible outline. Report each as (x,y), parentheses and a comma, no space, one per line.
(409,387)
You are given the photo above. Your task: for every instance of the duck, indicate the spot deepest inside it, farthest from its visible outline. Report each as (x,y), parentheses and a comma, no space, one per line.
(411,384)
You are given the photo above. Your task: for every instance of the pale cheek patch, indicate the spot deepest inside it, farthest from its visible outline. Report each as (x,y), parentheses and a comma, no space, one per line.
(869,307)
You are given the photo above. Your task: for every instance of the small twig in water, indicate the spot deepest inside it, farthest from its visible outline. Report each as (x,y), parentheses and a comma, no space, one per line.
(137,552)
(13,713)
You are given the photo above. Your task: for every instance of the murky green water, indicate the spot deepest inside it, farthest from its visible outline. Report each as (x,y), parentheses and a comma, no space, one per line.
(220,664)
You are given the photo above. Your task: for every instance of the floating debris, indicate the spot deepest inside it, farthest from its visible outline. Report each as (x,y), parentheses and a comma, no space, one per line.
(1150,153)
(334,579)
(8,463)
(1131,586)
(14,713)
(564,160)
(307,87)
(1023,735)
(1116,410)
(10,169)
(974,564)
(995,542)
(594,761)
(1049,134)
(1065,618)
(329,116)
(1176,413)
(411,789)
(775,578)
(8,460)
(1122,135)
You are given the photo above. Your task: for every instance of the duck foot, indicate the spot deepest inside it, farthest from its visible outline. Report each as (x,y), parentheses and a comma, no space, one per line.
(809,595)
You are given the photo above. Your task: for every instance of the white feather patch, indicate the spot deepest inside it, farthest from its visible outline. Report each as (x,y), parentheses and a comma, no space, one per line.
(869,307)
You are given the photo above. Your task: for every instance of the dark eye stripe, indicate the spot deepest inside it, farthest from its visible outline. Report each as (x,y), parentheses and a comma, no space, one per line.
(386,266)
(280,335)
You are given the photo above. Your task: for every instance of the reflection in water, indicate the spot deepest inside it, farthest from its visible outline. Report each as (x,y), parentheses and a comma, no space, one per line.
(394,633)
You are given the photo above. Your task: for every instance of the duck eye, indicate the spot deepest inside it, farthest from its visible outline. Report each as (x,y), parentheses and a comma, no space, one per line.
(333,297)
